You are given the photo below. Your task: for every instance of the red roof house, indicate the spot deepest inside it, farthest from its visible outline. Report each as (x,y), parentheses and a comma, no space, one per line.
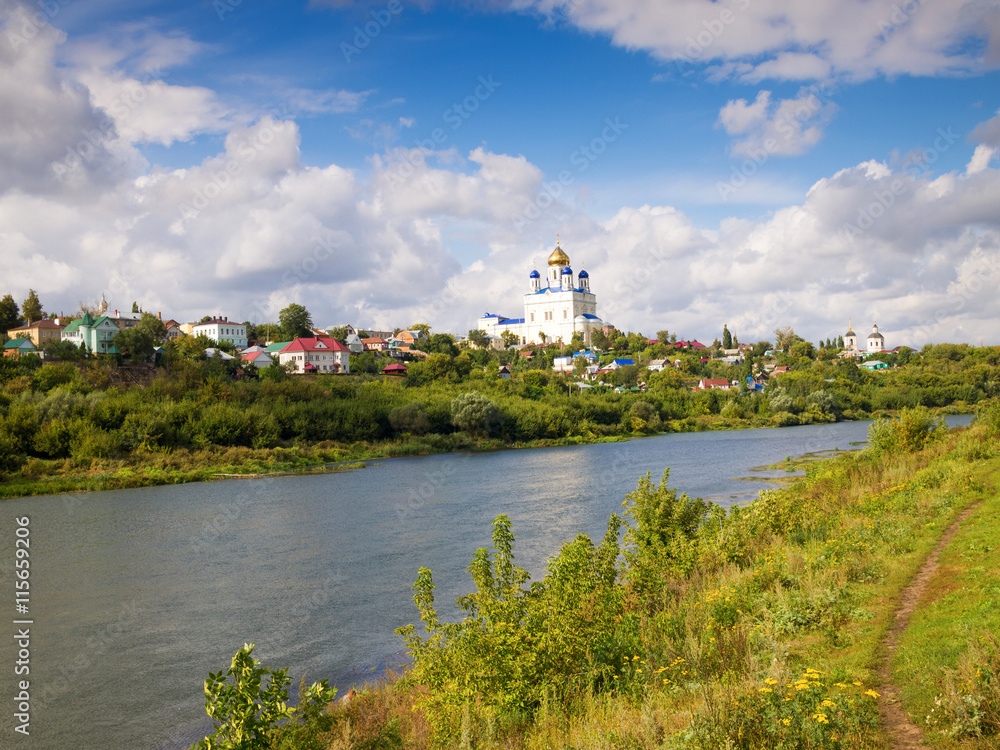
(320,355)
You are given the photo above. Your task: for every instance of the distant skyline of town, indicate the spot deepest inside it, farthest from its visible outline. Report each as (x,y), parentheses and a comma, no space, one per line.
(755,164)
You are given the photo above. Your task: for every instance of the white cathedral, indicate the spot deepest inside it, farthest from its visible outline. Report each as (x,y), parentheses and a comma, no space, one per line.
(554,309)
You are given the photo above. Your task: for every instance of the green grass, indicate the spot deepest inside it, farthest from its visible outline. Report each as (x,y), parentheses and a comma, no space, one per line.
(940,653)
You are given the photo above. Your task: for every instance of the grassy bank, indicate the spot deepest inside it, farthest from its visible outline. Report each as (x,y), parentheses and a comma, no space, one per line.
(145,467)
(696,628)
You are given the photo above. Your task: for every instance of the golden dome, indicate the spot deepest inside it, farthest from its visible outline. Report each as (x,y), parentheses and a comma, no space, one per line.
(558,257)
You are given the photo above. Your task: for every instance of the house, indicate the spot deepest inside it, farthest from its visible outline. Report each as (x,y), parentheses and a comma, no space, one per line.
(875,364)
(173,329)
(124,320)
(275,347)
(504,372)
(258,358)
(394,369)
(781,369)
(658,365)
(319,355)
(17,348)
(40,333)
(354,343)
(409,337)
(616,363)
(213,352)
(692,344)
(94,334)
(222,329)
(709,384)
(375,344)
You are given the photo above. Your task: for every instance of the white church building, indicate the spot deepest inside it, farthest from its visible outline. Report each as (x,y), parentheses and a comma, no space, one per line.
(555,307)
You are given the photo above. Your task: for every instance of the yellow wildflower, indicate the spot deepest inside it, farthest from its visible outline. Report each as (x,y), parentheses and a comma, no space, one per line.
(770,681)
(786,722)
(764,690)
(872,693)
(821,718)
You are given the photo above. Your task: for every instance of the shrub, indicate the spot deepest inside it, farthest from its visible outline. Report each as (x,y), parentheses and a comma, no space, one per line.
(410,418)
(476,414)
(661,538)
(970,699)
(249,715)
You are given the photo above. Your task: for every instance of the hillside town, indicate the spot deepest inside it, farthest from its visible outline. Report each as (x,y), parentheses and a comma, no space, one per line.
(559,331)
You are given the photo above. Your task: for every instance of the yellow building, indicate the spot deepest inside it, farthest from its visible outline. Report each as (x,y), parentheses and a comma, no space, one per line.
(41,332)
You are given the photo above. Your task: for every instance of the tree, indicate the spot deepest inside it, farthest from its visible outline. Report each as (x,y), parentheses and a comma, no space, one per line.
(63,350)
(440,343)
(10,315)
(509,338)
(156,327)
(785,337)
(599,340)
(295,321)
(475,414)
(423,328)
(479,339)
(727,337)
(135,343)
(663,336)
(135,307)
(339,333)
(542,336)
(31,308)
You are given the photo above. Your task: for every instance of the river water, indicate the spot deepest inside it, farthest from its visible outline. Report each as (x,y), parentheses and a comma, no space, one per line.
(137,594)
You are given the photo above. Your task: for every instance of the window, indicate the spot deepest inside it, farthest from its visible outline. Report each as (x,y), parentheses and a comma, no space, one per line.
(532,317)
(564,315)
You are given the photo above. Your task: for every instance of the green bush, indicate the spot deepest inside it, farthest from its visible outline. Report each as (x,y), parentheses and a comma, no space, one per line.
(249,715)
(516,643)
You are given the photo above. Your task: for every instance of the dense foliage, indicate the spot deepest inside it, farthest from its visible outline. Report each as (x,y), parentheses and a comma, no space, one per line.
(85,414)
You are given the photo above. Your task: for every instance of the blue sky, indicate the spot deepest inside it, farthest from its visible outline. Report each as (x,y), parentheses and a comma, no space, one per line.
(804,164)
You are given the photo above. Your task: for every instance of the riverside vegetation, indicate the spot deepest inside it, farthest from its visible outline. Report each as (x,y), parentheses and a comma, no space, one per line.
(689,626)
(93,424)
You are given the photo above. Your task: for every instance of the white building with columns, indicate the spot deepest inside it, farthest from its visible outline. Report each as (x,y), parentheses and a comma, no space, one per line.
(555,307)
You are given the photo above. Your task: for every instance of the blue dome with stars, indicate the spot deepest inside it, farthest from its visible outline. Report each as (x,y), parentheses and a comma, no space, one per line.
(567,271)
(534,274)
(583,274)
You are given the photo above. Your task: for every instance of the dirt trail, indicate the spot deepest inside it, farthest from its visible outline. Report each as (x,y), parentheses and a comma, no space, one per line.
(903,734)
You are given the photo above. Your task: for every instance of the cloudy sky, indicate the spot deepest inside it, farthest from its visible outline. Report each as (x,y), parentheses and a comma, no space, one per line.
(751,162)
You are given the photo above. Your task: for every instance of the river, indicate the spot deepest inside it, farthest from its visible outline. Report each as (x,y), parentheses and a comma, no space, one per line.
(137,594)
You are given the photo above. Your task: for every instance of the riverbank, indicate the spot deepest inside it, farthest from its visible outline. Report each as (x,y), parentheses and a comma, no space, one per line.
(163,466)
(767,635)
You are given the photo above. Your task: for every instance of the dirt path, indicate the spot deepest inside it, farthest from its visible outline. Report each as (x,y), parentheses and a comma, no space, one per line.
(903,734)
